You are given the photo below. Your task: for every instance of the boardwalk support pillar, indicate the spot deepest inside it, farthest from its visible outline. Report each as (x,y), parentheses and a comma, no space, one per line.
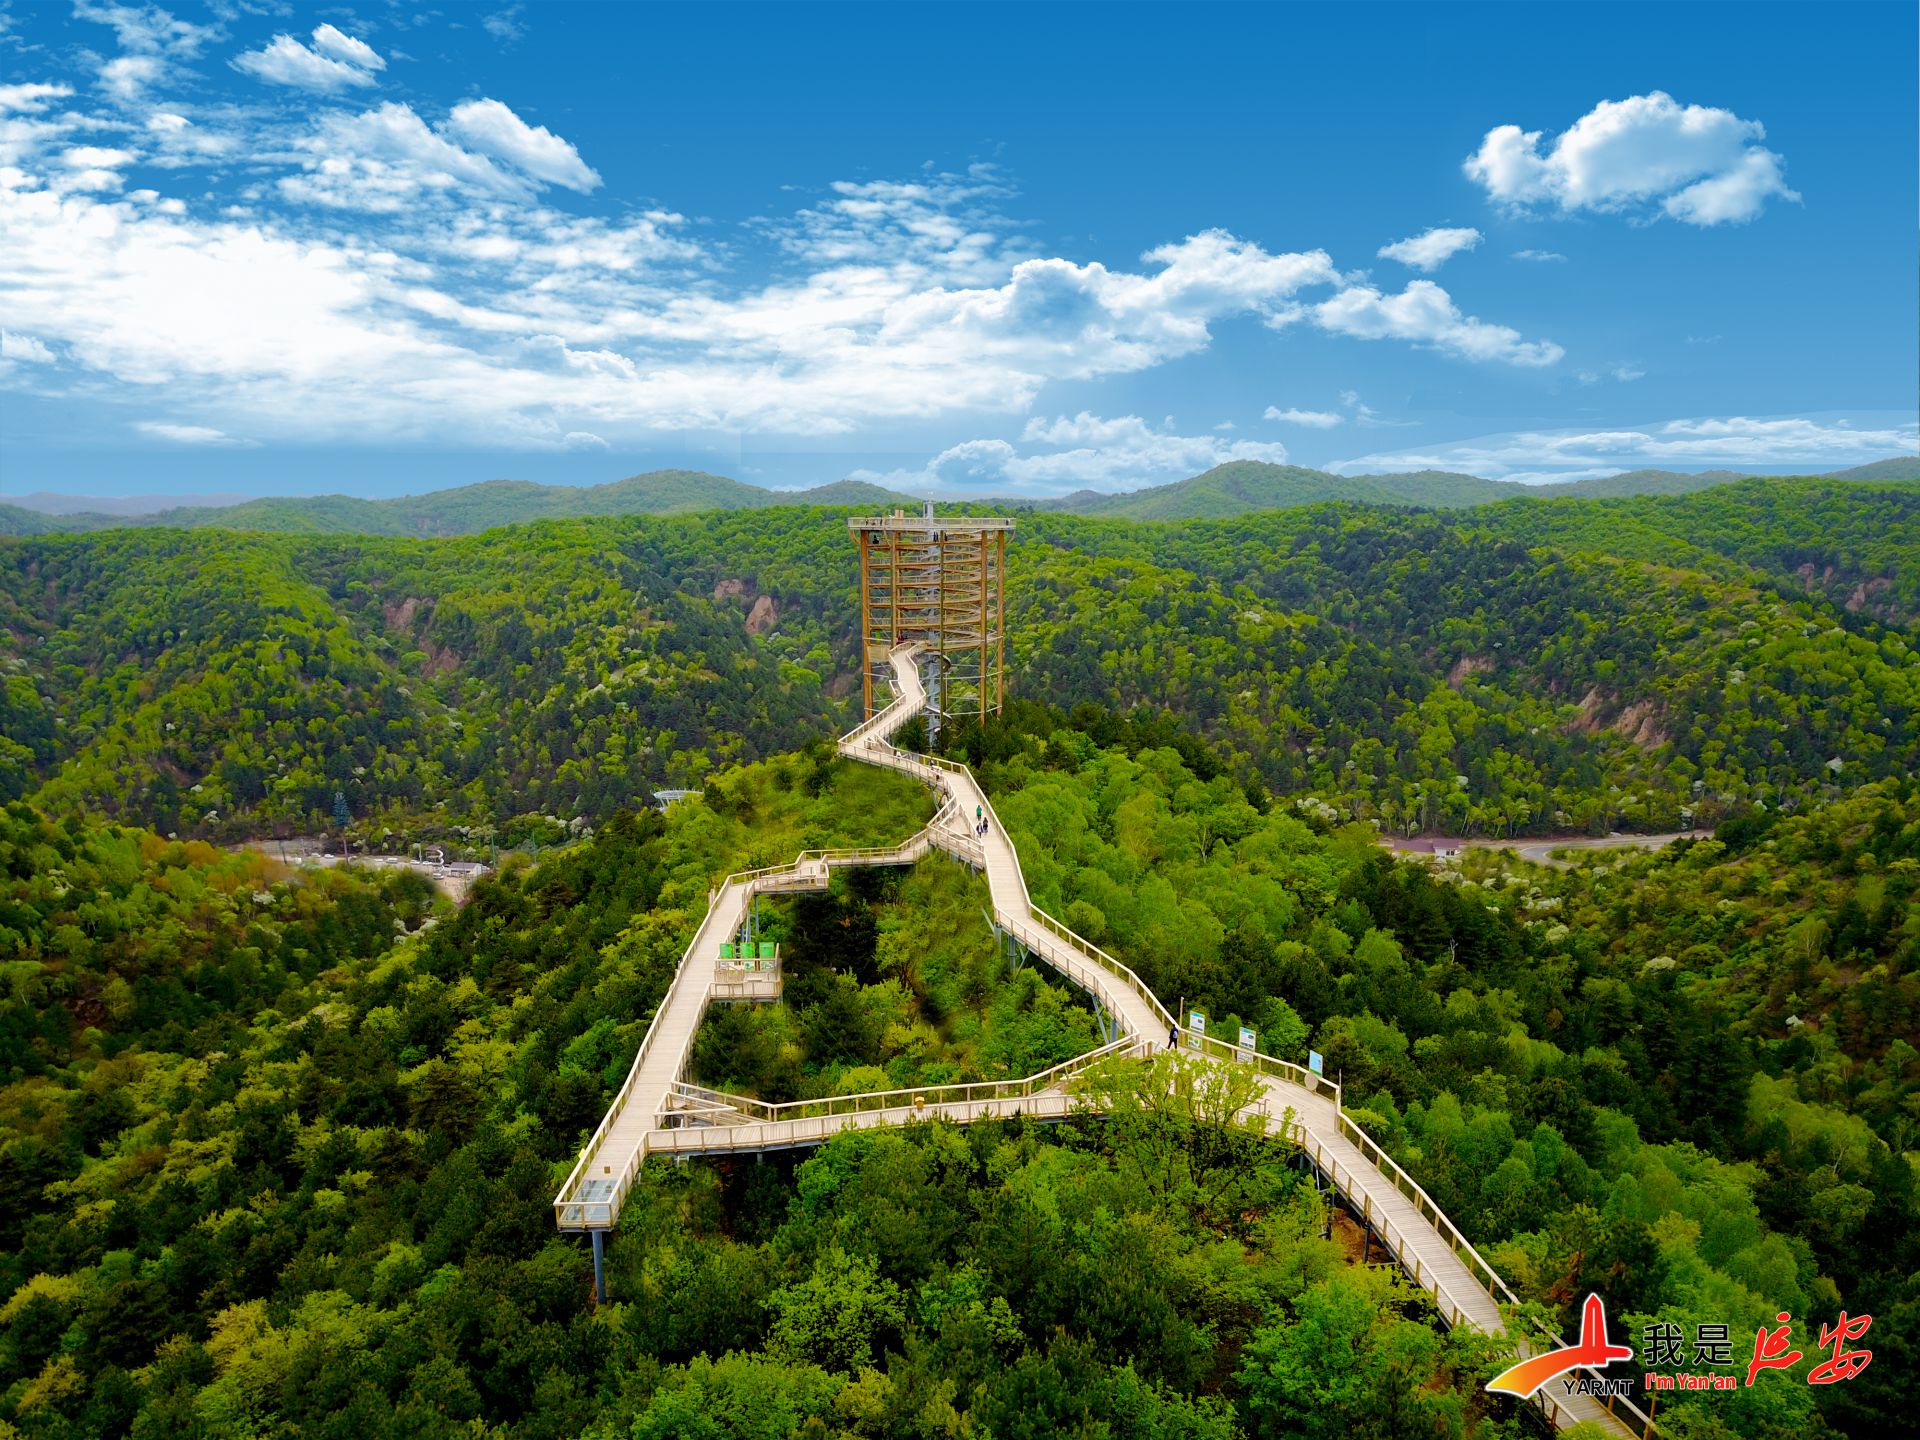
(599,1267)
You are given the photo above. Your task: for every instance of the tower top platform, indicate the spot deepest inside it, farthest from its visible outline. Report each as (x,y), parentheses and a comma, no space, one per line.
(900,521)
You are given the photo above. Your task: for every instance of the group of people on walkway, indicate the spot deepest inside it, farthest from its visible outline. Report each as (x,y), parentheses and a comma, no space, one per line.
(979,820)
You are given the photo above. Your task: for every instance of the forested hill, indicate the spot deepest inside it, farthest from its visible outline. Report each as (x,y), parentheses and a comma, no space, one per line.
(1242,486)
(469,509)
(278,1146)
(1423,670)
(1237,488)
(1855,543)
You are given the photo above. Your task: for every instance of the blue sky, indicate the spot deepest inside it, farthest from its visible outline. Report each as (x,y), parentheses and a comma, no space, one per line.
(268,248)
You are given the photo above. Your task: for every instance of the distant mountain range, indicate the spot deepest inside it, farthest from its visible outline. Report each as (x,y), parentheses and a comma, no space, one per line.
(1226,490)
(465,509)
(53,503)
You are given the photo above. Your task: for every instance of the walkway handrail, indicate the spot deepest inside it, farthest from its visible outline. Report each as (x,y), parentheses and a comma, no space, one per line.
(1410,1261)
(871,735)
(566,1200)
(806,1121)
(960,1093)
(1477,1265)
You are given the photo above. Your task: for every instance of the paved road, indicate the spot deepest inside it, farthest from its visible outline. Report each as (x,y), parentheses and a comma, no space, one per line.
(1539,849)
(454,880)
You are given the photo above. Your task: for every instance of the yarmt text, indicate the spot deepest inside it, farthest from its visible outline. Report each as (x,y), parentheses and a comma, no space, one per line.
(1594,1385)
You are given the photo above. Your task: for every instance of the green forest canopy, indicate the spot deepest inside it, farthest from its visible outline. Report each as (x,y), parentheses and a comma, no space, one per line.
(277,1147)
(1532,667)
(277,1155)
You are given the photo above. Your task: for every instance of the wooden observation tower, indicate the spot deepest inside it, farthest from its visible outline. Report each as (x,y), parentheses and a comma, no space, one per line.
(940,580)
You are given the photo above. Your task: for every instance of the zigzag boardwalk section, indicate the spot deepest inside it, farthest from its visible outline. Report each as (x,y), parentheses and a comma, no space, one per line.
(657,1112)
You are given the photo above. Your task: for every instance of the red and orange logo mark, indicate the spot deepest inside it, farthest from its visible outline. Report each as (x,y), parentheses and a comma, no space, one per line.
(1592,1349)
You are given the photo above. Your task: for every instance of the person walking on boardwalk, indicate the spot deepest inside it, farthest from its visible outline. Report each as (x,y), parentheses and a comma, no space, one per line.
(1173,1036)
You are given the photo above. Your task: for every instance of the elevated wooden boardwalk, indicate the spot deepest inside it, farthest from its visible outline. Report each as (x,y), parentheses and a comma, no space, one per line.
(657,1112)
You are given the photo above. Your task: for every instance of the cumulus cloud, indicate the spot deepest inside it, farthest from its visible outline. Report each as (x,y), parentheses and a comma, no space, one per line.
(492,128)
(347,49)
(30,98)
(89,167)
(1426,315)
(1431,249)
(1071,452)
(147,29)
(1727,442)
(388,159)
(944,223)
(24,347)
(377,273)
(188,434)
(150,40)
(336,62)
(1644,155)
(127,77)
(1312,419)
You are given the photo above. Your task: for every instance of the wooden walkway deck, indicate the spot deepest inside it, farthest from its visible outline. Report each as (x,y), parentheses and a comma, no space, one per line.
(656,1112)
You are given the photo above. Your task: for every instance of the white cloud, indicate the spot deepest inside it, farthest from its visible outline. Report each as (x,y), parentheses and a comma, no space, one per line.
(942,224)
(88,157)
(1539,256)
(1643,155)
(1312,419)
(188,434)
(370,275)
(24,347)
(127,77)
(347,49)
(1734,196)
(1624,371)
(150,39)
(30,98)
(505,25)
(1730,442)
(285,61)
(1425,314)
(387,159)
(147,29)
(89,167)
(1078,451)
(489,126)
(1431,249)
(1365,415)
